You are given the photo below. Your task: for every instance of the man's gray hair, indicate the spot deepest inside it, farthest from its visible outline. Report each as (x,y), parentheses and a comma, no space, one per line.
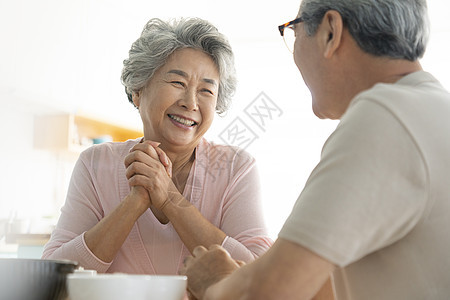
(392,28)
(160,39)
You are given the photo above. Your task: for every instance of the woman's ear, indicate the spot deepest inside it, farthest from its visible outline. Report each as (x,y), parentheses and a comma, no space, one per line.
(136,98)
(331,30)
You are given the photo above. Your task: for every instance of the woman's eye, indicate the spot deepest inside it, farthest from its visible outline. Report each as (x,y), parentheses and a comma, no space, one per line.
(178,83)
(208,91)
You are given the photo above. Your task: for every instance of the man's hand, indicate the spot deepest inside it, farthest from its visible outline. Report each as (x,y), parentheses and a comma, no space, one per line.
(207,267)
(286,271)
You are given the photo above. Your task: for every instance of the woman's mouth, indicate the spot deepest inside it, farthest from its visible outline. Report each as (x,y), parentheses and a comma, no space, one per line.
(182,121)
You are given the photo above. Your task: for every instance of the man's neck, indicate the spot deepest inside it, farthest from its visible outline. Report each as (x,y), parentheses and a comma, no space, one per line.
(373,70)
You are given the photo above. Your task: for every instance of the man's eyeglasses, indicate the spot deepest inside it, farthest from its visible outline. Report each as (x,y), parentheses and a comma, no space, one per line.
(289,35)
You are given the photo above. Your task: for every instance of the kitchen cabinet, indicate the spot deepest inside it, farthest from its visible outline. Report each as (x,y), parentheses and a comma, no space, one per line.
(74,133)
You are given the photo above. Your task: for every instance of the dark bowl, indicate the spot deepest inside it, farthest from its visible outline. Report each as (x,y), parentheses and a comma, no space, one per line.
(34,279)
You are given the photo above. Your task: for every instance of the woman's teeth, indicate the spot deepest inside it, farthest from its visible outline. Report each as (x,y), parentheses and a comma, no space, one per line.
(182,121)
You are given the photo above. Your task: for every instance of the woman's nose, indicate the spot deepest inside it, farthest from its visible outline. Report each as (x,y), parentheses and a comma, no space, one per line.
(189,100)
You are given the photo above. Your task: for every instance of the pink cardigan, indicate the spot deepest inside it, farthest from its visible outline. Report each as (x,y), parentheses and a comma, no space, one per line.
(223,184)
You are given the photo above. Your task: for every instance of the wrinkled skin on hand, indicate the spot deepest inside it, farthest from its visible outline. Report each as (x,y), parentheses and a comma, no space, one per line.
(207,267)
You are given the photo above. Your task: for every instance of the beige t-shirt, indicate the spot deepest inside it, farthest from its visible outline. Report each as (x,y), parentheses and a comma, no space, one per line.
(378,203)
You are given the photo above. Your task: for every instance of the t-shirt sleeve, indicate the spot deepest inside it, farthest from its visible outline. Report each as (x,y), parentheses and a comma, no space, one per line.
(242,218)
(368,190)
(81,211)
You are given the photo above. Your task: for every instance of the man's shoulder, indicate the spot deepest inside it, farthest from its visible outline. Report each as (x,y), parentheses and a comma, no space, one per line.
(410,87)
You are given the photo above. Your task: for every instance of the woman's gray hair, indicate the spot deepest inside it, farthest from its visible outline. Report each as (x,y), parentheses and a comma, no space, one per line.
(392,28)
(160,39)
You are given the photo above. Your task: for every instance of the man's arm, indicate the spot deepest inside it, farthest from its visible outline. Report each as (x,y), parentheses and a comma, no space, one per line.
(286,271)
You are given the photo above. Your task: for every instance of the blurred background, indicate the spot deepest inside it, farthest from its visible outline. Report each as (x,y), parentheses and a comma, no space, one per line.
(60,92)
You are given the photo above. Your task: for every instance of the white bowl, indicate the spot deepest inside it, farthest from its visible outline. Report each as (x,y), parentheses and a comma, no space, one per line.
(126,287)
(85,272)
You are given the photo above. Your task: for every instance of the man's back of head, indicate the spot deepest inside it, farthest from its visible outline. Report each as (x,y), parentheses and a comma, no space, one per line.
(389,28)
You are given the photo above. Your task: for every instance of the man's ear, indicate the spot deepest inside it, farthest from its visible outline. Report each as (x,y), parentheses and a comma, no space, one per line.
(331,32)
(136,98)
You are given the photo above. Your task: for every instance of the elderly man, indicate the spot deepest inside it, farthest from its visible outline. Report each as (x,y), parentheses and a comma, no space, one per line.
(375,212)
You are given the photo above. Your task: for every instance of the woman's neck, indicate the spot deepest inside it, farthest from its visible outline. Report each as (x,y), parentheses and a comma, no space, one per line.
(179,158)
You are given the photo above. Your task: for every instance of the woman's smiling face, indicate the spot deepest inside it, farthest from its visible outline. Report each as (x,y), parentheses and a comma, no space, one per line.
(177,106)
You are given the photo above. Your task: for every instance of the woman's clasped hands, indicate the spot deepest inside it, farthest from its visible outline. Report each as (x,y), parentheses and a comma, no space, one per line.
(149,172)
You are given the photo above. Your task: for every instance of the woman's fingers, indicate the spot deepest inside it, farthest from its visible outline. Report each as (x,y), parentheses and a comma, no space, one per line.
(140,156)
(138,162)
(147,147)
(151,149)
(152,143)
(164,159)
(138,168)
(140,180)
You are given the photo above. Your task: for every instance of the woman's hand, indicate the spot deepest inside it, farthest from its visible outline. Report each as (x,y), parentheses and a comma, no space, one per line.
(149,168)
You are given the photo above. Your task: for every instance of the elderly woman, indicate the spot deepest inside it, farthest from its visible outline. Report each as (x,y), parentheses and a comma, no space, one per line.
(143,205)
